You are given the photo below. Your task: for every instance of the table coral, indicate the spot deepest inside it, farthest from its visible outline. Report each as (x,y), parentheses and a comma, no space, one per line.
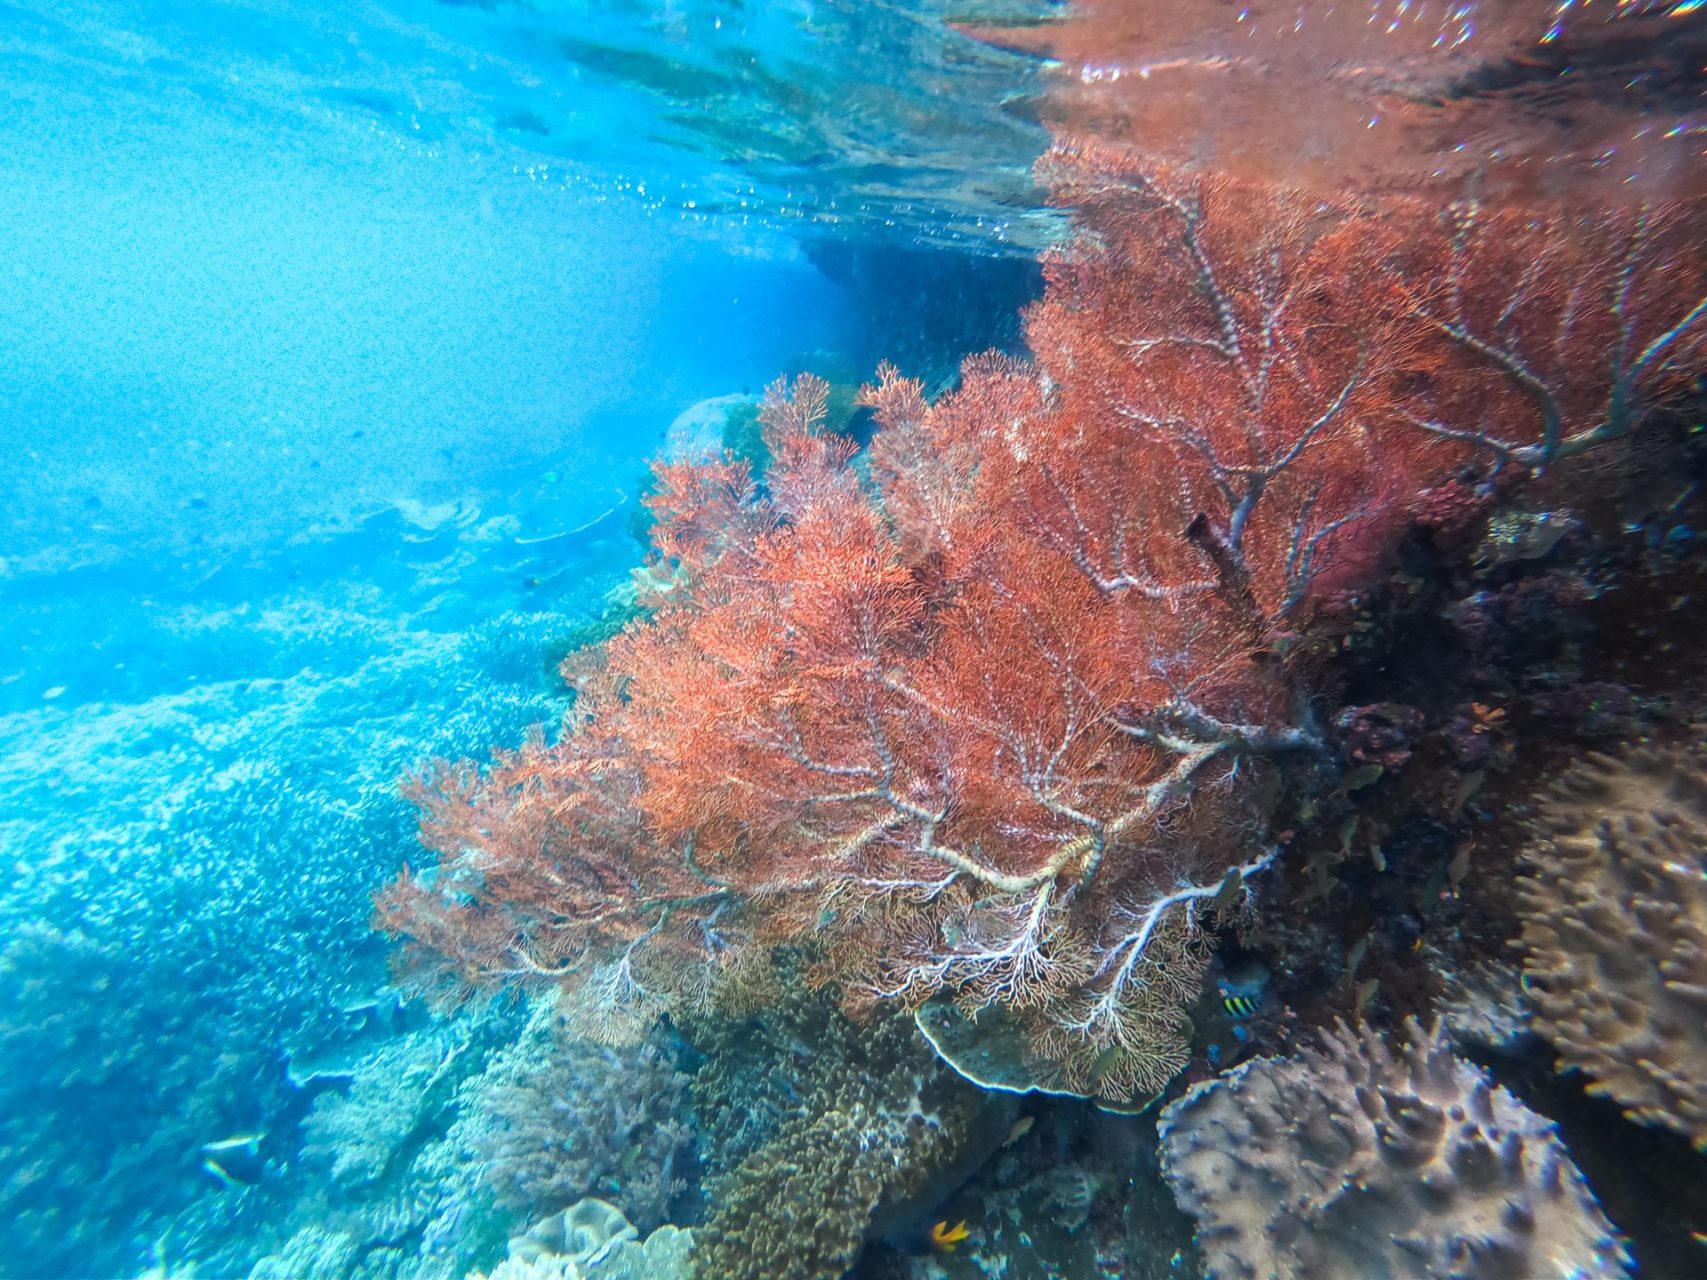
(1358,1161)
(1614,908)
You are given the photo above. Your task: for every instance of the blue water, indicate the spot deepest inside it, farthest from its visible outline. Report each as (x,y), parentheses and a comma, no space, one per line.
(273,265)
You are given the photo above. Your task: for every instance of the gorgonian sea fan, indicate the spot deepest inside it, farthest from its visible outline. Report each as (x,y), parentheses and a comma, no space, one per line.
(993,715)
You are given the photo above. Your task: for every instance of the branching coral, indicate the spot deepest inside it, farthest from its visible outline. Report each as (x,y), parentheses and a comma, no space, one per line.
(800,1208)
(1359,1161)
(555,1119)
(760,1066)
(1614,904)
(311,1251)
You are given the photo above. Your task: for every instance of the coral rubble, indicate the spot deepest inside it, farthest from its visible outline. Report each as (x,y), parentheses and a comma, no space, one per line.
(1614,908)
(1360,1161)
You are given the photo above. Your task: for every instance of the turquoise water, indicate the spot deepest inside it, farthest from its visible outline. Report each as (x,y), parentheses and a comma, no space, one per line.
(338,343)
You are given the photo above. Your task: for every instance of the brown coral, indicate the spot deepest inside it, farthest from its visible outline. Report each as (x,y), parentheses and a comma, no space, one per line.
(799,1208)
(1614,904)
(1360,1162)
(826,1134)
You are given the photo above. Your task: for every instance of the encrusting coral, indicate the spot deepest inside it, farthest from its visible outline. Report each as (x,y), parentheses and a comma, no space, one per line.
(1358,1161)
(1614,907)
(586,1231)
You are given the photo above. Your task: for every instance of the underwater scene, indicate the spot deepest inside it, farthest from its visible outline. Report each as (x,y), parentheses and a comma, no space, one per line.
(895,639)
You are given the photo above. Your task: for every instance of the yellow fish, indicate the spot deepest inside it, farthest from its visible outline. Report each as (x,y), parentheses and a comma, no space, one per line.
(1020,1128)
(945,1237)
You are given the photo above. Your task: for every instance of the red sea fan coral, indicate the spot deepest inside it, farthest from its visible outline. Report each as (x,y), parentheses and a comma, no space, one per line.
(994,717)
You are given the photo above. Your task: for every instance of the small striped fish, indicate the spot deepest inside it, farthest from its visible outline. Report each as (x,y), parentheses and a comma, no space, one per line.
(1240,1006)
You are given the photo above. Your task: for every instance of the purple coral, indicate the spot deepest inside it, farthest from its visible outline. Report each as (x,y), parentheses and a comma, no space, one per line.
(563,1119)
(1356,1161)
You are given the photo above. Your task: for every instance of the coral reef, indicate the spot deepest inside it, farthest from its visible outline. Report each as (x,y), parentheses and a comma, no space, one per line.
(385,1176)
(824,1135)
(1614,908)
(999,711)
(362,1134)
(1006,719)
(556,1118)
(188,851)
(440,1139)
(1360,1161)
(591,1240)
